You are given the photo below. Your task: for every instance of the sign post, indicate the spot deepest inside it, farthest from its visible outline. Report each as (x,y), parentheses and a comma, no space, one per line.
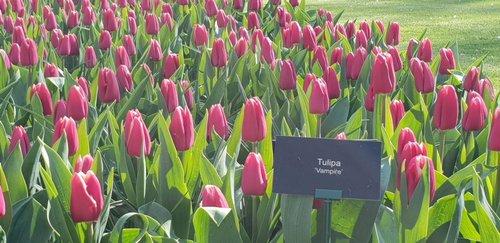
(327,169)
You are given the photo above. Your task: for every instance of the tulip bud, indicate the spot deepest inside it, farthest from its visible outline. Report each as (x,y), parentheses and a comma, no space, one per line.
(122,3)
(319,102)
(320,57)
(182,129)
(124,78)
(77,103)
(355,62)
(18,36)
(410,150)
(108,86)
(377,50)
(412,46)
(350,30)
(484,88)
(15,54)
(405,136)
(89,16)
(494,138)
(213,197)
(51,71)
(397,112)
(370,99)
(5,58)
(64,46)
(288,75)
(396,59)
(424,79)
(294,3)
(257,36)
(425,50)
(166,18)
(60,110)
(50,21)
(152,24)
(84,164)
(217,122)
(122,58)
(170,65)
(361,40)
(332,83)
(200,35)
(188,93)
(414,169)
(310,41)
(132,26)
(254,121)
(169,92)
(155,52)
(84,84)
(471,79)
(68,126)
(105,40)
(446,108)
(109,21)
(137,137)
(267,53)
(233,38)
(238,4)
(475,116)
(222,19)
(337,55)
(341,136)
(253,21)
(73,19)
(146,5)
(447,61)
(74,45)
(211,8)
(393,35)
(294,34)
(19,136)
(254,177)
(284,17)
(338,30)
(380,26)
(86,197)
(90,58)
(365,27)
(383,76)
(219,53)
(183,2)
(241,47)
(307,81)
(255,5)
(45,97)
(30,53)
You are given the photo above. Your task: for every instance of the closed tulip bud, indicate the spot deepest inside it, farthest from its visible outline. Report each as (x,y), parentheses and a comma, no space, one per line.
(254,177)
(295,33)
(67,125)
(414,169)
(56,37)
(365,27)
(146,5)
(424,79)
(337,55)
(60,110)
(74,49)
(77,104)
(307,81)
(45,97)
(222,19)
(380,26)
(393,35)
(238,4)
(128,43)
(332,83)
(64,47)
(104,4)
(132,26)
(73,19)
(155,52)
(219,53)
(425,50)
(396,59)
(377,50)
(310,41)
(350,30)
(211,8)
(200,35)
(182,129)
(152,24)
(9,24)
(233,38)
(370,99)
(213,197)
(84,164)
(254,121)
(383,76)
(320,56)
(124,78)
(447,61)
(494,138)
(361,40)
(90,58)
(169,92)
(288,75)
(109,21)
(471,79)
(188,93)
(84,84)
(255,5)
(319,103)
(410,150)
(108,86)
(19,136)
(137,137)
(89,16)
(5,58)
(241,47)
(446,108)
(183,2)
(485,89)
(405,136)
(284,17)
(253,21)
(30,53)
(105,40)
(257,37)
(86,197)
(170,65)
(122,58)
(51,71)
(397,112)
(341,136)
(355,62)
(3,6)
(412,47)
(244,33)
(18,35)
(166,19)
(338,30)
(267,53)
(475,116)
(50,21)
(217,122)
(122,3)
(15,54)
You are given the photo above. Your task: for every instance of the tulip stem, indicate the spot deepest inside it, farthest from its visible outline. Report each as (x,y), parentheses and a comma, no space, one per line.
(89,233)
(319,126)
(255,200)
(30,74)
(255,147)
(439,166)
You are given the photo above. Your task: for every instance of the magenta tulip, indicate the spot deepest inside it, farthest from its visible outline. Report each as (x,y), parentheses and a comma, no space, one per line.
(86,197)
(169,92)
(447,61)
(476,114)
(471,79)
(124,78)
(213,197)
(29,50)
(19,136)
(393,35)
(90,57)
(84,164)
(254,121)
(109,91)
(200,35)
(170,65)
(137,138)
(383,77)
(77,104)
(414,169)
(254,177)
(446,108)
(67,125)
(122,58)
(182,129)
(397,112)
(288,75)
(424,79)
(155,51)
(217,122)
(319,102)
(45,97)
(425,50)
(219,54)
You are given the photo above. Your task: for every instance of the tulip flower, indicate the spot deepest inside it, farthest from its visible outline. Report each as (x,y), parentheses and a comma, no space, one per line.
(155,51)
(425,50)
(213,197)
(253,21)
(238,4)
(354,63)
(484,88)
(393,35)
(370,99)
(2,201)
(410,150)
(51,71)
(310,41)
(105,40)
(29,52)
(124,78)
(50,21)
(84,164)
(447,61)
(396,59)
(137,138)
(424,79)
(18,36)
(365,27)
(397,112)
(217,122)
(412,45)
(86,197)
(109,21)
(308,79)
(494,138)
(132,26)
(255,5)
(60,110)
(200,35)
(128,43)
(5,58)
(254,177)
(182,129)
(170,65)
(320,57)
(294,3)
(84,84)
(64,46)
(405,136)
(471,79)
(319,102)
(45,97)
(108,86)
(254,121)
(295,33)
(183,2)
(288,75)
(90,57)
(377,50)
(89,16)
(414,169)
(15,54)
(67,126)
(337,55)
(188,93)
(284,17)
(219,54)
(233,38)
(19,136)
(73,19)
(341,136)
(169,92)
(350,30)
(211,8)
(380,26)
(152,24)
(361,39)
(166,19)
(241,47)
(122,58)
(77,104)
(475,116)
(383,76)
(267,53)
(332,83)
(446,108)
(257,36)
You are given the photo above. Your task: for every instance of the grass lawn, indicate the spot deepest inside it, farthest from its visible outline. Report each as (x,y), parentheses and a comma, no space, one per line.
(474,24)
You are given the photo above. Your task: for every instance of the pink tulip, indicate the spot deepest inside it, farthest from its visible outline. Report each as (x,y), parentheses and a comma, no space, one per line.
(169,92)
(182,129)
(397,112)
(319,102)
(124,78)
(67,125)
(217,122)
(288,75)
(45,97)
(19,136)
(213,197)
(84,164)
(254,177)
(77,103)
(170,65)
(254,121)
(137,138)
(108,86)
(86,197)
(446,108)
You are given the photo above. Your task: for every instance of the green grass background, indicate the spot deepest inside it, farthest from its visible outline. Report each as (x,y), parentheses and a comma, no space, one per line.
(474,24)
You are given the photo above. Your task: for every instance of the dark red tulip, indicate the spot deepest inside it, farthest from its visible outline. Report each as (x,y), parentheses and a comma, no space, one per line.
(361,40)
(307,81)
(19,136)
(471,79)
(211,8)
(288,75)
(393,35)
(219,54)
(29,52)
(86,197)
(67,125)
(320,57)
(370,99)
(332,83)
(109,91)
(254,176)
(424,79)
(213,197)
(397,112)
(447,61)
(383,77)
(485,89)
(217,122)
(124,78)
(354,63)
(169,92)
(425,50)
(405,136)
(45,97)
(200,35)
(182,129)
(105,40)
(396,59)
(255,5)
(122,58)
(446,108)
(155,51)
(412,47)
(51,71)
(152,24)
(188,93)
(170,65)
(254,121)
(475,116)
(137,138)
(310,41)
(77,104)
(241,47)
(319,102)
(414,171)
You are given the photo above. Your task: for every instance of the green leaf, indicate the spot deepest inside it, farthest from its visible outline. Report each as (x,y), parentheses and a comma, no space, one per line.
(4,74)
(266,145)
(29,223)
(488,225)
(100,226)
(193,157)
(215,225)
(234,141)
(83,140)
(296,217)
(209,174)
(15,179)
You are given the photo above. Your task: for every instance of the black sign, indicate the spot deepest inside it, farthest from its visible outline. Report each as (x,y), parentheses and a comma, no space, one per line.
(307,166)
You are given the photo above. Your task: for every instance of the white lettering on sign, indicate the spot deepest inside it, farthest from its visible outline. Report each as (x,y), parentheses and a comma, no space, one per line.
(329,166)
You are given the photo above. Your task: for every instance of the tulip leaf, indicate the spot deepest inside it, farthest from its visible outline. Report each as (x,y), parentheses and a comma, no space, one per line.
(29,223)
(213,224)
(15,179)
(133,99)
(193,157)
(234,141)
(83,141)
(96,131)
(4,74)
(208,173)
(385,227)
(149,226)
(266,145)
(354,124)
(6,220)
(296,217)
(488,222)
(100,226)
